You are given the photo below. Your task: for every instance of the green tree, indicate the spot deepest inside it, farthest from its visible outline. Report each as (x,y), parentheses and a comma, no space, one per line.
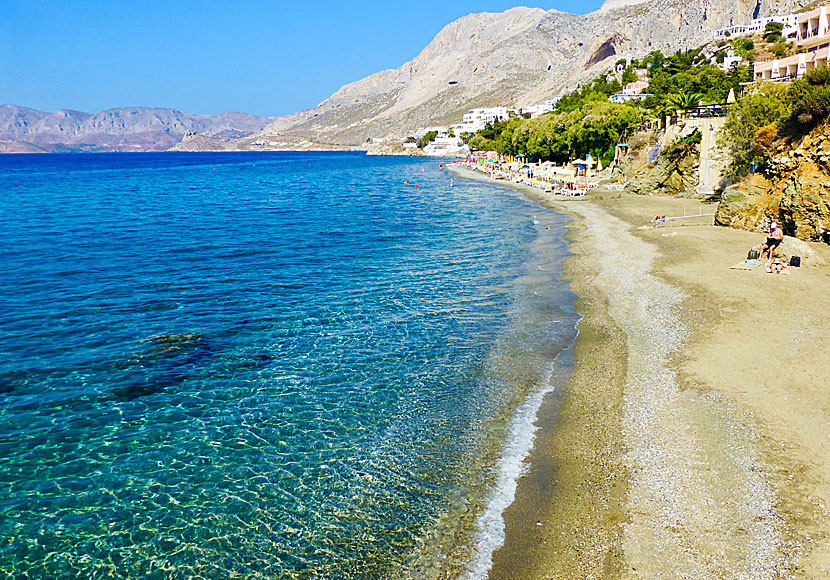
(810,96)
(684,101)
(683,60)
(629,76)
(763,105)
(772,32)
(427,139)
(480,143)
(655,62)
(742,45)
(594,127)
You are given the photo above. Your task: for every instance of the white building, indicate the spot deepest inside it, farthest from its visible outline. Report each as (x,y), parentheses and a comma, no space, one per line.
(730,61)
(462,128)
(540,109)
(424,130)
(482,117)
(812,35)
(447,146)
(758,25)
(631,92)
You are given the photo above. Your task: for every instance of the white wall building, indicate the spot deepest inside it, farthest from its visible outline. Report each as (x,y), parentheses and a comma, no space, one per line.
(424,130)
(447,146)
(730,61)
(540,109)
(758,25)
(631,92)
(482,117)
(812,35)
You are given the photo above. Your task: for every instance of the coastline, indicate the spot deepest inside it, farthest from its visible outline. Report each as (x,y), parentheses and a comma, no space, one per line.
(673,437)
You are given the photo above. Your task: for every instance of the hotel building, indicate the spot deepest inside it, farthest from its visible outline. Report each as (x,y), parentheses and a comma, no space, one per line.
(812,38)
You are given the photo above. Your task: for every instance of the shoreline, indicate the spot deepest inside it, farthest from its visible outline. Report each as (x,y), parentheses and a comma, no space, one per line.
(684,454)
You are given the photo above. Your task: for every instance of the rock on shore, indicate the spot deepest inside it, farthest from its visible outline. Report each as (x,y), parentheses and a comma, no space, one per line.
(794,191)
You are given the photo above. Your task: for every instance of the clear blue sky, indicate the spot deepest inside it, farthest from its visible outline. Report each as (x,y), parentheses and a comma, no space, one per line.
(266,58)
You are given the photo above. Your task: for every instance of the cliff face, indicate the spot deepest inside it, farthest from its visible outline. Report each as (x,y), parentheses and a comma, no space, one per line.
(519,58)
(795,191)
(122,129)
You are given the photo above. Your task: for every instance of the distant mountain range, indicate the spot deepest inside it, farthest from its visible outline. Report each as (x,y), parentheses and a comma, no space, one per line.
(24,130)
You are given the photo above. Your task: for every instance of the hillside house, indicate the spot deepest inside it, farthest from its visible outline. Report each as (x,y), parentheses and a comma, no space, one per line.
(631,92)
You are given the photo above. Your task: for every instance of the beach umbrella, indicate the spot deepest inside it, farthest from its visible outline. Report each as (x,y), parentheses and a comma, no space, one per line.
(525,166)
(731,98)
(599,164)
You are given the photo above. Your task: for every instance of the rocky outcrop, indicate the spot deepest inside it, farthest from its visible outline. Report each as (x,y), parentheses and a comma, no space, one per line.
(519,57)
(393,147)
(197,142)
(794,190)
(121,129)
(663,164)
(674,174)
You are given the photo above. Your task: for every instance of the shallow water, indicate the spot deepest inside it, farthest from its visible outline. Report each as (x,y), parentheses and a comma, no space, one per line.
(274,364)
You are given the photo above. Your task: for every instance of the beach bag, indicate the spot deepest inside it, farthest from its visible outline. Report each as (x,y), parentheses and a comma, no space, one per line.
(753,254)
(795,261)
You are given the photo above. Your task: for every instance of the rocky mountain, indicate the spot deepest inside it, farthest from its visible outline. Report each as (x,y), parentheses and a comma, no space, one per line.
(519,57)
(121,129)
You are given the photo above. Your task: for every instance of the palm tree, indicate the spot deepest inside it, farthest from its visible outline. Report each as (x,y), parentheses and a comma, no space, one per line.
(683,101)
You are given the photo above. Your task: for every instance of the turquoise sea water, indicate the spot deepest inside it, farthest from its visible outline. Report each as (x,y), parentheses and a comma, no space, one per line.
(278,365)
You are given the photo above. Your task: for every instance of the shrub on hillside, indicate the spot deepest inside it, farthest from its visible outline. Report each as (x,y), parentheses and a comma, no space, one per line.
(772,32)
(810,96)
(780,49)
(764,105)
(764,138)
(427,139)
(682,146)
(743,45)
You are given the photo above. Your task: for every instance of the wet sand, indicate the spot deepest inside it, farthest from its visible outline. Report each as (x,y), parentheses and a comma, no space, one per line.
(692,440)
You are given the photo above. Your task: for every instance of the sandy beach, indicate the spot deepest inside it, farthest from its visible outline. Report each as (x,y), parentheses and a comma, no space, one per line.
(692,440)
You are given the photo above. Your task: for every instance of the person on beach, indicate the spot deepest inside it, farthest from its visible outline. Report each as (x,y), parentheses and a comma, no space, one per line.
(774,239)
(776,266)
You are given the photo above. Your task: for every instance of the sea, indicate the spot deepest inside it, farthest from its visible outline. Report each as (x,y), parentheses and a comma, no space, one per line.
(268,365)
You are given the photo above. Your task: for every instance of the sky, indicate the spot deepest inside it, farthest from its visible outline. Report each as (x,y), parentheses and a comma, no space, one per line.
(206,57)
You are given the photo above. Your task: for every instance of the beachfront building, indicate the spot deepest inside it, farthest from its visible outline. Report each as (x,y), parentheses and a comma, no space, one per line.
(446,145)
(758,25)
(812,37)
(631,92)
